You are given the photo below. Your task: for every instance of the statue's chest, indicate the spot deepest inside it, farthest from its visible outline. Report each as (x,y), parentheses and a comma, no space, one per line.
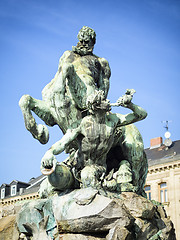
(97,131)
(97,137)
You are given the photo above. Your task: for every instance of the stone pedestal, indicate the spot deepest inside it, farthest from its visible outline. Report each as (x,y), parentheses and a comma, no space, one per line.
(85,215)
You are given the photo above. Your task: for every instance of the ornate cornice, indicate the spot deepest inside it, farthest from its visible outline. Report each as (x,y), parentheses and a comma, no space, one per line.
(163,167)
(13,200)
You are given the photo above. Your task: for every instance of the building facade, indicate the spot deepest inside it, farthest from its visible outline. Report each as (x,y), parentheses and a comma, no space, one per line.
(163,179)
(18,191)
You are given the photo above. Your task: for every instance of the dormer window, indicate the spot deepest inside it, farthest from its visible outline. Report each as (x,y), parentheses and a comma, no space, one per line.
(13,190)
(2,193)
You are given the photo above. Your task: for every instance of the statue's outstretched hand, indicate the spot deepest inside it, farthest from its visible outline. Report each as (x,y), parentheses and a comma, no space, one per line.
(48,163)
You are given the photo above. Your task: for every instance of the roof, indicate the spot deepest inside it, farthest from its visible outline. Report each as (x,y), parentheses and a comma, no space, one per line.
(163,154)
(31,187)
(33,179)
(35,182)
(16,181)
(4,185)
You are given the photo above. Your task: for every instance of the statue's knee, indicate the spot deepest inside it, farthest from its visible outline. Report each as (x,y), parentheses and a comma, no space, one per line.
(24,101)
(84,172)
(89,177)
(86,176)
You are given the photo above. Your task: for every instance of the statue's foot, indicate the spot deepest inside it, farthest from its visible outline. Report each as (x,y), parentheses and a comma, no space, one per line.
(43,134)
(127,187)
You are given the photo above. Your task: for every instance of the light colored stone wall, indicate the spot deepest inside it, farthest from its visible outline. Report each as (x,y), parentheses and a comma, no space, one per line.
(7,205)
(169,173)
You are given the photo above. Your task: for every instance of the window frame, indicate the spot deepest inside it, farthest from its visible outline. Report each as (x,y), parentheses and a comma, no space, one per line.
(13,190)
(148,192)
(3,191)
(163,192)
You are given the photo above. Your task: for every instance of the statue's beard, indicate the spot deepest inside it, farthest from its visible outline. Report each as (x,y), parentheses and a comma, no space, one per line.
(82,50)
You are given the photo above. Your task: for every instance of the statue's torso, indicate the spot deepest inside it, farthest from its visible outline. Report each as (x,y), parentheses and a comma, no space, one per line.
(78,86)
(85,80)
(87,73)
(97,140)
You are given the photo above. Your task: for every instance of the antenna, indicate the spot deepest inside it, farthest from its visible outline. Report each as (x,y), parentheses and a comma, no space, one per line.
(167,141)
(167,123)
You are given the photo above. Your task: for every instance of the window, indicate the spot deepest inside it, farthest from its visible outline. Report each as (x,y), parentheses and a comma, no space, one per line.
(2,193)
(148,192)
(13,190)
(163,192)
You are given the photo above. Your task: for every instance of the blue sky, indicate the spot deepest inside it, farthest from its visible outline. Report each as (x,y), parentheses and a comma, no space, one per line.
(139,38)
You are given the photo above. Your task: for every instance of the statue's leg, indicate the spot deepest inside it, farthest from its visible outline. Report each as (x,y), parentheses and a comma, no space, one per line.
(39,132)
(91,176)
(133,150)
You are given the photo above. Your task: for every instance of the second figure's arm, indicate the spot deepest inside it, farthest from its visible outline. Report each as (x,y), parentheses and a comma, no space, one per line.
(49,160)
(138,112)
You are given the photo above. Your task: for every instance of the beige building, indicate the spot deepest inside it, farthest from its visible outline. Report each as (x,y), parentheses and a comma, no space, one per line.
(163,179)
(16,192)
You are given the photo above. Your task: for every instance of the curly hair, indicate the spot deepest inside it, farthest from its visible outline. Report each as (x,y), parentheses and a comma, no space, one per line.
(87,31)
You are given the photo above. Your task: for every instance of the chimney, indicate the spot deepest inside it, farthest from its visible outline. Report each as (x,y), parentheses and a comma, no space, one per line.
(156,142)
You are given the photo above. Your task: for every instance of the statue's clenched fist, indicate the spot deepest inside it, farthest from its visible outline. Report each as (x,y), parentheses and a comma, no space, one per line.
(126,99)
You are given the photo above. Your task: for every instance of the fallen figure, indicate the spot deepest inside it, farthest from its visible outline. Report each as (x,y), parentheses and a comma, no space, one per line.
(96,135)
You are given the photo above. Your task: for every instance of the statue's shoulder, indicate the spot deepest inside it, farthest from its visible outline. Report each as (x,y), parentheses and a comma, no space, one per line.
(105,65)
(112,117)
(103,61)
(67,56)
(66,53)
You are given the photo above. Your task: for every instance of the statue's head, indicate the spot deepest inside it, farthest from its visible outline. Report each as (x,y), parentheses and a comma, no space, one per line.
(87,34)
(97,102)
(87,39)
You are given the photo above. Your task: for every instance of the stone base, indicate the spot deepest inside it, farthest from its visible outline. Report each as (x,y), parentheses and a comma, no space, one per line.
(8,228)
(85,215)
